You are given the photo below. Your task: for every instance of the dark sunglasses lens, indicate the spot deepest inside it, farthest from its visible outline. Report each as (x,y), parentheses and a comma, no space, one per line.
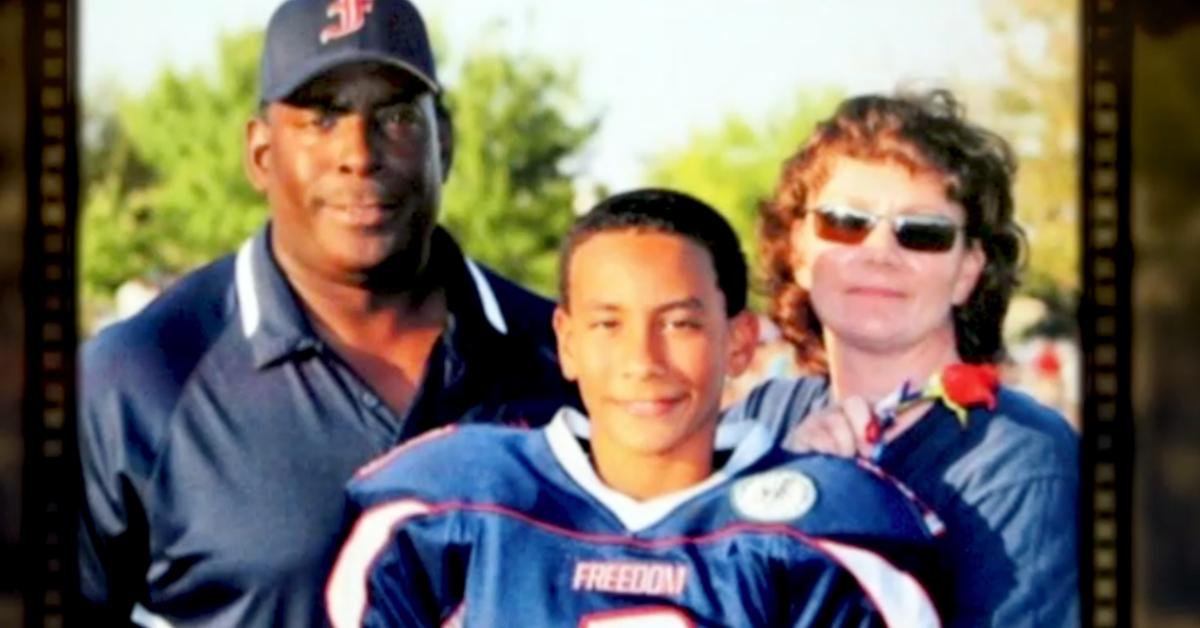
(840,224)
(925,233)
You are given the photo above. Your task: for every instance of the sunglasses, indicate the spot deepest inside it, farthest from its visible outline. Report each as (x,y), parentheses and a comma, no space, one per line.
(928,233)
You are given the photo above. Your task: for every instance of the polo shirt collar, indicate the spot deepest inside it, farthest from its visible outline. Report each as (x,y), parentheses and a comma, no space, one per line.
(276,327)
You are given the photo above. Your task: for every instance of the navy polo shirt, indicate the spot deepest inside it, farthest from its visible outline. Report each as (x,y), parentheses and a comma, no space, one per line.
(217,432)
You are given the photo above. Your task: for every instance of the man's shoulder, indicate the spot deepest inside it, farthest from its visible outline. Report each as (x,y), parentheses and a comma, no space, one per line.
(163,342)
(455,463)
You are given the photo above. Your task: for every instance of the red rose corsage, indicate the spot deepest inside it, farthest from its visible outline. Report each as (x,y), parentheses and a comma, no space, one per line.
(964,386)
(959,387)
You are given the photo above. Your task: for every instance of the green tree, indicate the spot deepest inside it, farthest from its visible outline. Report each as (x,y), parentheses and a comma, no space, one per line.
(165,189)
(734,166)
(1037,109)
(509,199)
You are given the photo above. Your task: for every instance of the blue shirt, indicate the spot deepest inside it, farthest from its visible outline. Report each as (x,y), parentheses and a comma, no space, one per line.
(217,432)
(1006,487)
(534,538)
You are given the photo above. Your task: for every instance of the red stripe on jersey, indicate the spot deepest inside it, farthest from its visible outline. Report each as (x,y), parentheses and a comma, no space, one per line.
(395,452)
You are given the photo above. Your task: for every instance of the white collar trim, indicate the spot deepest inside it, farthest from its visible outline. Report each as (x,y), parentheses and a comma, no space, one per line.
(491,307)
(568,424)
(246,290)
(251,312)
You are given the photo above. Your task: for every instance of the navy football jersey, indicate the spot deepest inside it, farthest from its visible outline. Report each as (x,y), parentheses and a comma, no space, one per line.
(494,526)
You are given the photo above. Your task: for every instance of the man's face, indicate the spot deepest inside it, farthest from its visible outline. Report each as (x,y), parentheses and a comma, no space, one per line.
(352,168)
(647,339)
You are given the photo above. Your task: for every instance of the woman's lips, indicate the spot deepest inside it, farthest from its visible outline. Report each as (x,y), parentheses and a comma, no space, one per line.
(876,291)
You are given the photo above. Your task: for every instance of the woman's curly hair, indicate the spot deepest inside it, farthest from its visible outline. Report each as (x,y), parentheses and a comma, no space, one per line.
(921,132)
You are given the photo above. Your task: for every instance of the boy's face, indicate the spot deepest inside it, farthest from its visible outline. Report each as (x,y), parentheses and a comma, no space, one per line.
(648,341)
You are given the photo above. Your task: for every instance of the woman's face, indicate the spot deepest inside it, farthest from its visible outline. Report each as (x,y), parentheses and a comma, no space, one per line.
(877,295)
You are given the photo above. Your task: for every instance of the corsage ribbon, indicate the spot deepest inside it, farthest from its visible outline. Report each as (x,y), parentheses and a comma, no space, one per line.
(960,387)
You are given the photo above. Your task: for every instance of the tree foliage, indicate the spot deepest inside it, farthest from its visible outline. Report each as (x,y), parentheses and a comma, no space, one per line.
(509,199)
(165,189)
(734,166)
(1037,109)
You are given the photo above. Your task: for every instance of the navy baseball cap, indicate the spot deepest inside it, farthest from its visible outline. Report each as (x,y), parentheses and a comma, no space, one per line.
(307,38)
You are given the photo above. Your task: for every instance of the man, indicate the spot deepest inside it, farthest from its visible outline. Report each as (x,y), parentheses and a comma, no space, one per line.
(645,514)
(218,427)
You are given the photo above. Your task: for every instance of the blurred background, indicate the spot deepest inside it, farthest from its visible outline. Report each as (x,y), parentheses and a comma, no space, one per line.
(12,328)
(1165,225)
(557,104)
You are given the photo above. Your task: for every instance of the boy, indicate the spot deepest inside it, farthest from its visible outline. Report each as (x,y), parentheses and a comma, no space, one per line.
(647,512)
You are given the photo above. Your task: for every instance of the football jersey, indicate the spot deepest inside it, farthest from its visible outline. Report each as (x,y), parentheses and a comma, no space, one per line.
(495,526)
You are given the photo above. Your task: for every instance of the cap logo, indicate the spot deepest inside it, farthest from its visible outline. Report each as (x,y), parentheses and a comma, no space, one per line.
(351,15)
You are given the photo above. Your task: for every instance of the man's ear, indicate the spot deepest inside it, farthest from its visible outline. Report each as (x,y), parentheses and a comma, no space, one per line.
(564,334)
(743,341)
(445,131)
(258,150)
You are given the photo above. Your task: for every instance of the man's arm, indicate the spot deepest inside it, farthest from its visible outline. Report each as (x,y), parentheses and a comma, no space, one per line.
(838,431)
(112,537)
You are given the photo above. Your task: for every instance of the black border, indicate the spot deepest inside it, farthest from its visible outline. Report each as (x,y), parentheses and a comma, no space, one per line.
(1105,314)
(48,285)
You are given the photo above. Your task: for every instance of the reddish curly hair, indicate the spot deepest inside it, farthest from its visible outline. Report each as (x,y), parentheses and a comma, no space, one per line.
(922,133)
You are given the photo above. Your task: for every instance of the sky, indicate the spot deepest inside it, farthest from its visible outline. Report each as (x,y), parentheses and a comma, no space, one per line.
(656,71)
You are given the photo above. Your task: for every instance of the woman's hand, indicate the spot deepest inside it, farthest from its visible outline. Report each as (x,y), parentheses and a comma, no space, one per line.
(839,430)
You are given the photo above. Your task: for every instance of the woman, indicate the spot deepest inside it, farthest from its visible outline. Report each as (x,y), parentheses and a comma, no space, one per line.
(891,254)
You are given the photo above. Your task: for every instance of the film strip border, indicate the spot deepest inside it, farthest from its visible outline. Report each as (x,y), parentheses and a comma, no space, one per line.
(1106,312)
(52,184)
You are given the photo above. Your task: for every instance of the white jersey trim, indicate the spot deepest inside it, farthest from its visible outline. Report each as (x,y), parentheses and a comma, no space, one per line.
(146,619)
(898,597)
(346,592)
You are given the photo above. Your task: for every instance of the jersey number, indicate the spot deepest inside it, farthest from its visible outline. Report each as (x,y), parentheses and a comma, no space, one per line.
(639,617)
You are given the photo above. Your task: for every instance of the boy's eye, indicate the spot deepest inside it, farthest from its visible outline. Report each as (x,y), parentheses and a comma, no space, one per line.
(684,323)
(604,323)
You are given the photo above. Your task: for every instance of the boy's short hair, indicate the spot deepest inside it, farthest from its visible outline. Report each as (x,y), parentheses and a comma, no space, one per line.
(659,210)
